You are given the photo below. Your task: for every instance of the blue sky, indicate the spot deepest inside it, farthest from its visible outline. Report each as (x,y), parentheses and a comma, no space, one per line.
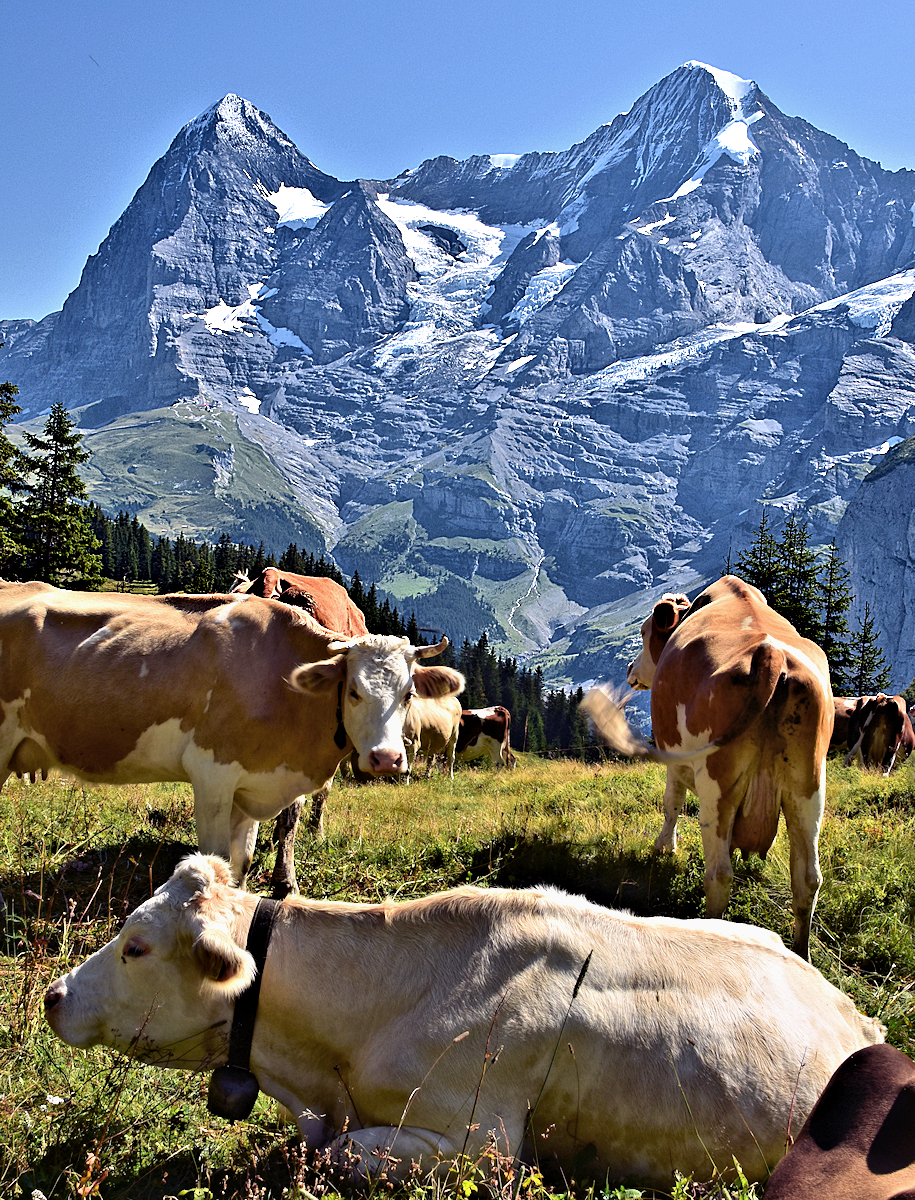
(93,93)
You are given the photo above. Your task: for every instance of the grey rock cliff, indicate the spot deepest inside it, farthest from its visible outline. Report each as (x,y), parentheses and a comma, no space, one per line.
(522,398)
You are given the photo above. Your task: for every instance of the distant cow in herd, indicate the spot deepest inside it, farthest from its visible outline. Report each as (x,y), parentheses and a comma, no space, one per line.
(250,701)
(431,727)
(424,1030)
(742,712)
(486,733)
(879,732)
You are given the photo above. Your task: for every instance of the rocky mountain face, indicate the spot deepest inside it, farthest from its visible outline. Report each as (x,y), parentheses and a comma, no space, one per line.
(524,395)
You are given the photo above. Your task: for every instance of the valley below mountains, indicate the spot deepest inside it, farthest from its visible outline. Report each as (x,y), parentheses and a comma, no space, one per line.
(524,394)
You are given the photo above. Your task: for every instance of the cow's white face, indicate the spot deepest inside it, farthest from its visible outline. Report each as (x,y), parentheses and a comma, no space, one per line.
(164,988)
(379,677)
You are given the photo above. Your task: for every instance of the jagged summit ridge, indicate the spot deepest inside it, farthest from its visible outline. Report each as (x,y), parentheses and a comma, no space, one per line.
(517,392)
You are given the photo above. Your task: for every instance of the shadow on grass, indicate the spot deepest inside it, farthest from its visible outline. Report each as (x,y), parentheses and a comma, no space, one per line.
(647,884)
(99,885)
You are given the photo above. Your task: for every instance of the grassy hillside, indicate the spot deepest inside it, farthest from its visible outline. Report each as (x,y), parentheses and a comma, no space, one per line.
(76,860)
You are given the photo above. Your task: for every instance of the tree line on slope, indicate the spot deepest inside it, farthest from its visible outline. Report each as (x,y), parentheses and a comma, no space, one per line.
(812,591)
(49,531)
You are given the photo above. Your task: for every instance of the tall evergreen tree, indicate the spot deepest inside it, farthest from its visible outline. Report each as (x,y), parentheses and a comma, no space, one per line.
(57,532)
(760,564)
(14,469)
(798,595)
(869,673)
(836,601)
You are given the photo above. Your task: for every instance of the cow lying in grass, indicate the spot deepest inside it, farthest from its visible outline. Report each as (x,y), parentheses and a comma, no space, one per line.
(530,1021)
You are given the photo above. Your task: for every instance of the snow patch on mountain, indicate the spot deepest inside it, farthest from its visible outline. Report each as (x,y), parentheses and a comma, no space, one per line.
(296,207)
(540,290)
(875,306)
(239,318)
(449,297)
(735,88)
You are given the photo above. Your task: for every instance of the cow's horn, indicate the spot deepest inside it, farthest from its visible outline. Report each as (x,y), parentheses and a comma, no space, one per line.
(431,651)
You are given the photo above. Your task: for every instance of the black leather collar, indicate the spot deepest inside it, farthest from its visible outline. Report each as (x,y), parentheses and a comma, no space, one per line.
(233,1087)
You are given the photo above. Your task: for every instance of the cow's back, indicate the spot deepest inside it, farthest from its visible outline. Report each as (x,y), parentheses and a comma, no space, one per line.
(88,675)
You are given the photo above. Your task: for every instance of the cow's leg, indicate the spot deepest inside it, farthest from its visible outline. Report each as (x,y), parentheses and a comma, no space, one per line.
(803,817)
(283,882)
(243,835)
(383,1151)
(716,822)
(316,816)
(889,761)
(213,818)
(674,799)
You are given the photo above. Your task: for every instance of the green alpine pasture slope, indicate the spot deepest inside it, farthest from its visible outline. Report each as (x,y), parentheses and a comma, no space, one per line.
(76,860)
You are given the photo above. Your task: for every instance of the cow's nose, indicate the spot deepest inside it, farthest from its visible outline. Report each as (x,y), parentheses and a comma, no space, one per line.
(387,762)
(53,996)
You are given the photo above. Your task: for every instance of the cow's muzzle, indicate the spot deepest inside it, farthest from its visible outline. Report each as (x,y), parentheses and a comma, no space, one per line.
(387,762)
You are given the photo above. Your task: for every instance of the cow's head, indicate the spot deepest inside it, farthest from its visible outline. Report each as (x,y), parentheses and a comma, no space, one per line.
(665,617)
(164,988)
(380,676)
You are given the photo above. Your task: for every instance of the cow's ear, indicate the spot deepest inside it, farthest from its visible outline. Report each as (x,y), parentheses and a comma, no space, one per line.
(437,682)
(199,872)
(227,969)
(312,677)
(668,611)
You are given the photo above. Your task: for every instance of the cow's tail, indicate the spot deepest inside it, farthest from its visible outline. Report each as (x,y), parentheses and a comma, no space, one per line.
(605,706)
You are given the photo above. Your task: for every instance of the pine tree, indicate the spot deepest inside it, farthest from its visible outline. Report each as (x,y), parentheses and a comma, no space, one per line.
(14,469)
(57,532)
(868,672)
(761,563)
(836,601)
(798,595)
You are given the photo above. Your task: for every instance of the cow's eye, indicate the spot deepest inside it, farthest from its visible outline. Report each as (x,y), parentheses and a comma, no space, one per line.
(135,948)
(353,694)
(409,696)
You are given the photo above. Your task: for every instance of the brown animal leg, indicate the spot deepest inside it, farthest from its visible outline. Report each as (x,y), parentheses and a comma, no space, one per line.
(316,816)
(283,882)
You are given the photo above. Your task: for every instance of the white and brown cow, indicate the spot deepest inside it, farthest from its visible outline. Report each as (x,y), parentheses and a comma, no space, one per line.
(742,713)
(431,727)
(430,1028)
(486,733)
(879,732)
(250,701)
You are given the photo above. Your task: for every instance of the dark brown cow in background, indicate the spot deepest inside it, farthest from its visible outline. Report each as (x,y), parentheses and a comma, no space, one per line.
(844,707)
(859,1141)
(879,732)
(485,733)
(331,606)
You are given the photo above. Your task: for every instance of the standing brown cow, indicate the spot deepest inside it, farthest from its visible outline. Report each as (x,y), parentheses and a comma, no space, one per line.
(742,712)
